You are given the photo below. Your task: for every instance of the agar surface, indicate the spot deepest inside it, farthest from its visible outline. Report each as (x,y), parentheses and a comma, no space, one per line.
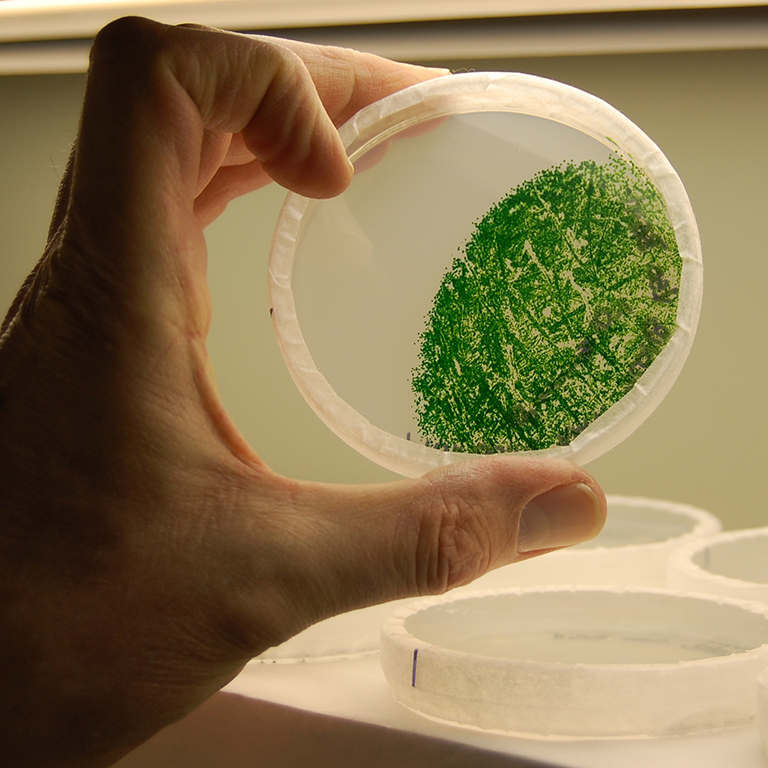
(564,295)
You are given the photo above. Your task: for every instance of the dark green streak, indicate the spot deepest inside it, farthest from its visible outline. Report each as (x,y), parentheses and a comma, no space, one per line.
(565,294)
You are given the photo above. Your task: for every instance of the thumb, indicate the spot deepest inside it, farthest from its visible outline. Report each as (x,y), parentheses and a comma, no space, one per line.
(371,544)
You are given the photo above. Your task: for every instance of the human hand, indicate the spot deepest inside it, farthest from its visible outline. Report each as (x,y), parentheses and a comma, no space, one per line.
(146,553)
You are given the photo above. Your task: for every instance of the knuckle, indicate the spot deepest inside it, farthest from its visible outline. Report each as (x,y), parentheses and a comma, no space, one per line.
(455,542)
(125,35)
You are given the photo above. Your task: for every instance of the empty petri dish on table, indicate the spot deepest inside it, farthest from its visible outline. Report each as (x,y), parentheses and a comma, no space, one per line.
(581,662)
(762,708)
(632,550)
(729,563)
(515,268)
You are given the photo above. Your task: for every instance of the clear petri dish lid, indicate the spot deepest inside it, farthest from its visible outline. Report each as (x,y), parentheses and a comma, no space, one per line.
(762,708)
(728,563)
(633,549)
(515,267)
(579,662)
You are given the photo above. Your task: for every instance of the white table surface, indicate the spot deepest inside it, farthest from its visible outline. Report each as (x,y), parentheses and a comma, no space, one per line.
(356,691)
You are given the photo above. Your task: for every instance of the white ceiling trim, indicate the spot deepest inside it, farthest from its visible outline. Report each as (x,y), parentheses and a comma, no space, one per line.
(61,19)
(513,38)
(478,39)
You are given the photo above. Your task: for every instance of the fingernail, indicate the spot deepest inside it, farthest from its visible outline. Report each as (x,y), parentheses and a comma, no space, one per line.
(560,517)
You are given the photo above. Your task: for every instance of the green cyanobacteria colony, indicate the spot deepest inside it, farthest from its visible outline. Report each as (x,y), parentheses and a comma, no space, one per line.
(566,293)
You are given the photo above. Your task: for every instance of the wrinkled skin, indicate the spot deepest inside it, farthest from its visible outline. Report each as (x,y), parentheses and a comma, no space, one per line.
(146,552)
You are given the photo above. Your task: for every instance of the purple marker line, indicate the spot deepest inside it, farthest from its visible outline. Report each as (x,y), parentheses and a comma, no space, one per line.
(413,673)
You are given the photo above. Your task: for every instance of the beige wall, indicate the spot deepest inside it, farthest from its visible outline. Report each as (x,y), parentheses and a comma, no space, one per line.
(706,444)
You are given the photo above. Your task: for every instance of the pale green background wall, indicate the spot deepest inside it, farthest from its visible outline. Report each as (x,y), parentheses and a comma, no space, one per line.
(707,444)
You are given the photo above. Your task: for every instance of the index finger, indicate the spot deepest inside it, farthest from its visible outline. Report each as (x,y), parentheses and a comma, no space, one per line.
(348,80)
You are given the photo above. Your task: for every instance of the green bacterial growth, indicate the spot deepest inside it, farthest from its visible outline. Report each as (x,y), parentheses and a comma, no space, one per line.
(565,293)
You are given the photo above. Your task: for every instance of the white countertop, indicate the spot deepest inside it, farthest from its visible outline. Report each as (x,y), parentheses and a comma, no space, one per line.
(356,691)
(341,714)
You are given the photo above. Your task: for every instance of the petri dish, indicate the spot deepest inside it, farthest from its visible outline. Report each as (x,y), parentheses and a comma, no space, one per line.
(633,549)
(762,708)
(515,267)
(579,662)
(730,563)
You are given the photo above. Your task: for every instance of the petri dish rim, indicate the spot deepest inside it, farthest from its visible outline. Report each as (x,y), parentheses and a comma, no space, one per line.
(498,92)
(576,699)
(398,619)
(684,561)
(698,524)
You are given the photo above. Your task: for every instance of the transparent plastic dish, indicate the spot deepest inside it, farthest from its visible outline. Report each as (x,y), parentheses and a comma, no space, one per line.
(580,662)
(633,549)
(515,268)
(762,708)
(731,564)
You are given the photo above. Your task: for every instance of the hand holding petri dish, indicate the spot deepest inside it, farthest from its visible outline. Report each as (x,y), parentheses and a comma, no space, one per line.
(515,268)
